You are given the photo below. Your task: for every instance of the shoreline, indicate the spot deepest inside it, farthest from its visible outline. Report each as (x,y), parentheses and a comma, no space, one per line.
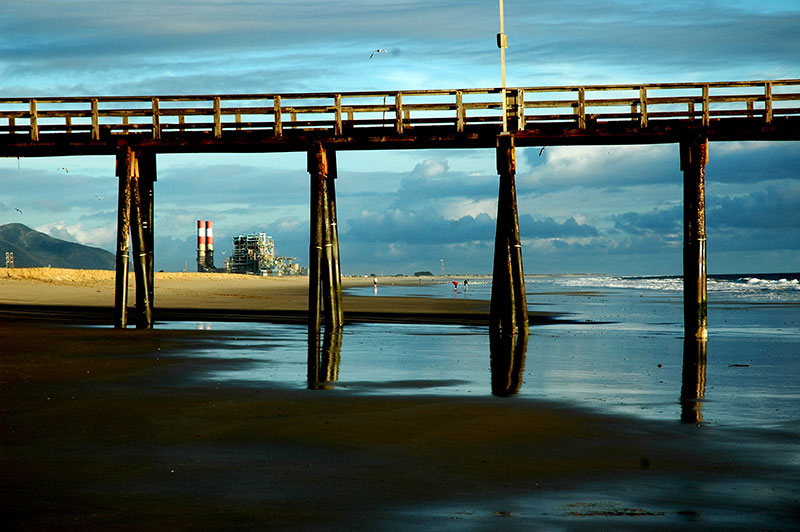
(87,296)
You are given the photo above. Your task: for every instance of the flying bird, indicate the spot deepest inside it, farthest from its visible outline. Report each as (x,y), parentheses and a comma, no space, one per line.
(65,169)
(18,210)
(379,51)
(98,197)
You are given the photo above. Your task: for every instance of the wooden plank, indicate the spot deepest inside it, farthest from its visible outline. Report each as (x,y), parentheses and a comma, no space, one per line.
(706,106)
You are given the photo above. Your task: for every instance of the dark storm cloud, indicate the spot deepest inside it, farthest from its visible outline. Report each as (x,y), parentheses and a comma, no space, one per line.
(659,221)
(430,227)
(753,162)
(776,207)
(764,219)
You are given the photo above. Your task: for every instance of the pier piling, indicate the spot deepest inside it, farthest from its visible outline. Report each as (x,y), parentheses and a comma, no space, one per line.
(134,221)
(324,278)
(124,162)
(694,157)
(508,311)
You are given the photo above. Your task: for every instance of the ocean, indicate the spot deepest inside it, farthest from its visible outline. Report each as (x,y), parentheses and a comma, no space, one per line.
(619,348)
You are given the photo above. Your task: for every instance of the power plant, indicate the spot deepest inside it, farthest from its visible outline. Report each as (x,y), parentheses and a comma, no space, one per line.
(253,254)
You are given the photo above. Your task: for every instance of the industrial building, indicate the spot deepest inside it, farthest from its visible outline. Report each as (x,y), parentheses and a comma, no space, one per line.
(255,254)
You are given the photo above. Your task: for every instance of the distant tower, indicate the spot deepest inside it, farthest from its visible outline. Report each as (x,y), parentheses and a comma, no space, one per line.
(201,245)
(209,247)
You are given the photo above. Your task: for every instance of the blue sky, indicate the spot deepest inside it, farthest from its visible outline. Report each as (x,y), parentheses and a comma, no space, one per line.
(582,209)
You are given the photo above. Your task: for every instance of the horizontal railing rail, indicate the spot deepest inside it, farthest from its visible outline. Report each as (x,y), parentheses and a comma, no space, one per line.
(578,107)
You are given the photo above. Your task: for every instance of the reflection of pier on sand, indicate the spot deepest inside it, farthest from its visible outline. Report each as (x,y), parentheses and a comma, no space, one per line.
(693,387)
(507,354)
(507,362)
(324,358)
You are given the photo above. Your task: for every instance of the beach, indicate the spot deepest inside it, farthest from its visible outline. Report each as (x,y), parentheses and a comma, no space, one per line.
(107,429)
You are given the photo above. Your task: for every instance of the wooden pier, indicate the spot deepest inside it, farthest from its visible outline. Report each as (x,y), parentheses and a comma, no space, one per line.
(136,128)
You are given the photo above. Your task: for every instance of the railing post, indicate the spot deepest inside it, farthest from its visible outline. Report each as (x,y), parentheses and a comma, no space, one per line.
(460,114)
(694,157)
(768,102)
(34,122)
(337,102)
(398,113)
(156,120)
(96,120)
(217,118)
(643,106)
(706,107)
(581,109)
(276,109)
(520,109)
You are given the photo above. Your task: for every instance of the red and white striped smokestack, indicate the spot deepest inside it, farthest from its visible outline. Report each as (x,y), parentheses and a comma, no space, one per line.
(209,246)
(209,237)
(201,235)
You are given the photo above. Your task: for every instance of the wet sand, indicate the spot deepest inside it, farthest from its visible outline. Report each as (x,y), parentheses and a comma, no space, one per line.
(102,430)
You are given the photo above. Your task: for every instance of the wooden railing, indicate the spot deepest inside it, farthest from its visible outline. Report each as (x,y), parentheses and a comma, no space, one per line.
(578,107)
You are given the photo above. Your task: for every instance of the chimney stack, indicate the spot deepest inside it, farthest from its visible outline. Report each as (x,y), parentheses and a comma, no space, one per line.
(209,247)
(201,245)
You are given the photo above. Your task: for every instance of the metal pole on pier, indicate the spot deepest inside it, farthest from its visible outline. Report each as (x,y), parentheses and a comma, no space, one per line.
(502,43)
(694,157)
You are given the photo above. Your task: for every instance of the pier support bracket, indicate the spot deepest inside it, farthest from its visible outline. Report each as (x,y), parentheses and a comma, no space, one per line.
(508,311)
(694,157)
(324,273)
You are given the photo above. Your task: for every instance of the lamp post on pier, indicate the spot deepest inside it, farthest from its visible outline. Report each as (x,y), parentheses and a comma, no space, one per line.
(502,43)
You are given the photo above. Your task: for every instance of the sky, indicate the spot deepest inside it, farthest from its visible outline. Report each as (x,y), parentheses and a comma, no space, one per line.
(598,209)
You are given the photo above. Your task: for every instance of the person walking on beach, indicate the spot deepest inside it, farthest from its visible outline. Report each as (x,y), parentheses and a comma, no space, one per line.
(465,285)
(455,286)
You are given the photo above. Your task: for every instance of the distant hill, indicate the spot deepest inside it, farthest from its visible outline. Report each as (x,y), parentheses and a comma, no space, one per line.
(33,249)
